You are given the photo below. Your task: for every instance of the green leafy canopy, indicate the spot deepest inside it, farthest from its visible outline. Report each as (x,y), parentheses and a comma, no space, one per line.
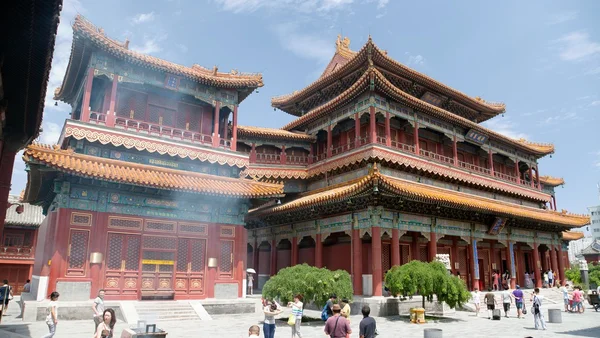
(314,284)
(428,280)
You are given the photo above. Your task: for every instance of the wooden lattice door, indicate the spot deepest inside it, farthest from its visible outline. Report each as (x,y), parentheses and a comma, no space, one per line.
(122,264)
(191,266)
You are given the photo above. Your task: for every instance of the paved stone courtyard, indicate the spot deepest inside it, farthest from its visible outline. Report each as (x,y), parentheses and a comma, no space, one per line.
(462,324)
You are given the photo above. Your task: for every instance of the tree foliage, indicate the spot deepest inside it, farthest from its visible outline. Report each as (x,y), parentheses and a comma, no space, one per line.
(428,280)
(574,274)
(314,284)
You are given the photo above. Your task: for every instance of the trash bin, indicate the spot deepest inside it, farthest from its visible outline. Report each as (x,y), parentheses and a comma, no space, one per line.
(554,316)
(417,315)
(432,333)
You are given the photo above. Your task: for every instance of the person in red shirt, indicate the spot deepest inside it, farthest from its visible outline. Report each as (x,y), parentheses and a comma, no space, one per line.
(337,326)
(577,298)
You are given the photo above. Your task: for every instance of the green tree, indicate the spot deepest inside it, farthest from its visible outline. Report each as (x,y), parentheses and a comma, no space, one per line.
(314,284)
(428,280)
(573,274)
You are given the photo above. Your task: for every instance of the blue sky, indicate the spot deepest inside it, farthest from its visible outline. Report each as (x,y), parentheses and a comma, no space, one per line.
(542,58)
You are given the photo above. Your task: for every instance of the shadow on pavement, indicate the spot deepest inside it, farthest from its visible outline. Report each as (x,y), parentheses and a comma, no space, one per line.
(21,329)
(590,332)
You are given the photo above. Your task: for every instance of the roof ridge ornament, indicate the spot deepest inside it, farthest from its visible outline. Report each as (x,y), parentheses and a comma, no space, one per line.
(342,44)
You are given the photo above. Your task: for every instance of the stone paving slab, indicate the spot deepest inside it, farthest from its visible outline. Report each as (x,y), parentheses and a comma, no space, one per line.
(462,324)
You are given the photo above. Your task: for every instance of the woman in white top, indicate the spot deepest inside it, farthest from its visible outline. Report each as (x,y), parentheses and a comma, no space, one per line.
(297,309)
(476,301)
(52,314)
(271,310)
(106,328)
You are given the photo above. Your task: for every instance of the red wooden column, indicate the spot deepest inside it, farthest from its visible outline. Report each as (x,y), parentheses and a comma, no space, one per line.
(554,262)
(455,151)
(85,105)
(7,161)
(388,131)
(416,138)
(432,246)
(517,172)
(110,118)
(318,251)
(253,153)
(395,247)
(415,255)
(234,129)
(224,127)
(537,178)
(372,125)
(356,130)
(536,264)
(329,141)
(282,157)
(294,260)
(376,261)
(273,258)
(521,266)
(357,262)
(454,255)
(491,162)
(561,266)
(310,154)
(255,259)
(215,138)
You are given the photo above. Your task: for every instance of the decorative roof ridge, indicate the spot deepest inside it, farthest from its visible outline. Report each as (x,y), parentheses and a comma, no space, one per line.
(529,145)
(535,144)
(55,150)
(82,25)
(276,132)
(552,181)
(497,107)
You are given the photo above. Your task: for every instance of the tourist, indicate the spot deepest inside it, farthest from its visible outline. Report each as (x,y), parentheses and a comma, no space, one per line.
(332,300)
(254,331)
(506,280)
(506,300)
(6,295)
(490,300)
(106,328)
(536,309)
(528,281)
(297,309)
(577,300)
(546,280)
(475,296)
(495,279)
(250,284)
(337,326)
(98,307)
(27,286)
(271,310)
(367,327)
(52,314)
(518,294)
(565,294)
(345,305)
(550,278)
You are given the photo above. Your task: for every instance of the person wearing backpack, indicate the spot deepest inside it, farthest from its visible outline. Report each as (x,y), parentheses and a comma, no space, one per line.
(536,310)
(328,308)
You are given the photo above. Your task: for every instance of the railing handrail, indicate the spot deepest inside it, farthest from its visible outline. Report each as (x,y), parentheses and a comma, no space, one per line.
(168,131)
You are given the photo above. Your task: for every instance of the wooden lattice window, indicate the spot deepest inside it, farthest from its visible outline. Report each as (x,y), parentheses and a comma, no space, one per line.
(198,255)
(423,254)
(115,247)
(131,104)
(77,253)
(182,255)
(157,242)
(78,218)
(14,240)
(226,260)
(227,231)
(132,261)
(405,254)
(199,229)
(156,225)
(385,257)
(124,223)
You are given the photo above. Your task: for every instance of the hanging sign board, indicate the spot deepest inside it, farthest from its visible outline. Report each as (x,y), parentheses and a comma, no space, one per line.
(476,137)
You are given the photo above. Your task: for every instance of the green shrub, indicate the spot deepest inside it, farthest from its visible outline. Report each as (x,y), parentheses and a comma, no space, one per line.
(427,279)
(314,284)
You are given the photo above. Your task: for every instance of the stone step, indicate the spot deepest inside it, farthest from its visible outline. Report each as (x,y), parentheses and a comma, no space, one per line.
(166,311)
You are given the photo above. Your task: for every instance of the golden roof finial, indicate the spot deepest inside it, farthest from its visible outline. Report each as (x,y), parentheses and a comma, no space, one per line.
(342,44)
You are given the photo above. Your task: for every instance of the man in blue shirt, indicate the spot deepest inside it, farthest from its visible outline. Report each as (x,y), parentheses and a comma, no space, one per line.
(367,326)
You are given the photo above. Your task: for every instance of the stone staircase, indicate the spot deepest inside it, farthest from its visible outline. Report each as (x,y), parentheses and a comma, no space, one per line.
(153,312)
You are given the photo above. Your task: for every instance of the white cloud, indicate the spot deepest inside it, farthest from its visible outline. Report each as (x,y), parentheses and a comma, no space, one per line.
(382,3)
(562,18)
(595,71)
(142,18)
(577,46)
(304,45)
(150,45)
(595,103)
(244,6)
(414,60)
(50,133)
(505,126)
(380,15)
(561,118)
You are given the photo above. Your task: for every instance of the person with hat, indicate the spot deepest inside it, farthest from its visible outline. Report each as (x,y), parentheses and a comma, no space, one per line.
(337,326)
(518,294)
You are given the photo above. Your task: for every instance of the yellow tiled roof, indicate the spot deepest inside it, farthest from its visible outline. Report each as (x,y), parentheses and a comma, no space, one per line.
(273,133)
(429,194)
(572,235)
(147,175)
(552,181)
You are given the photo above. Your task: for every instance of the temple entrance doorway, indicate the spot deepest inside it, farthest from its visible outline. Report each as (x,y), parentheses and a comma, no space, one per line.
(157,274)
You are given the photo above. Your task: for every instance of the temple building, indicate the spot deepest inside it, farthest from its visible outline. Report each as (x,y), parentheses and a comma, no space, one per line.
(154,191)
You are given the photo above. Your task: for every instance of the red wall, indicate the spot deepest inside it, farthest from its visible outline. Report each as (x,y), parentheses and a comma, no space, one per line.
(264,262)
(284,259)
(338,256)
(306,255)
